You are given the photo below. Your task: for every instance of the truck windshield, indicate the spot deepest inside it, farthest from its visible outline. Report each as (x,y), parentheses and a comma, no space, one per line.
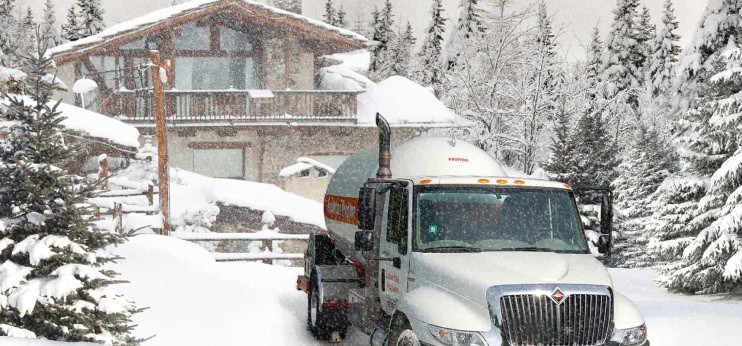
(474,219)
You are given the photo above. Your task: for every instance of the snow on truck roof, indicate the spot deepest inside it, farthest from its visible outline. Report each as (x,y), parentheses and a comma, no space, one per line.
(191,7)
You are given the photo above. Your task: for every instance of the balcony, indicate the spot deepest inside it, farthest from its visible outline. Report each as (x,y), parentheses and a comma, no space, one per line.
(252,106)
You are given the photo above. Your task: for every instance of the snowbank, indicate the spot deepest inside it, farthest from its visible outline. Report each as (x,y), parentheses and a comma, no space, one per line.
(303,163)
(6,341)
(191,191)
(93,124)
(195,301)
(400,100)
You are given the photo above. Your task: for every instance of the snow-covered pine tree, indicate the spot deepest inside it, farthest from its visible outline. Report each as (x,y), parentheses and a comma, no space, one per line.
(91,17)
(401,54)
(595,152)
(712,262)
(71,29)
(560,164)
(660,71)
(541,80)
(428,71)
(49,31)
(620,65)
(8,37)
(645,38)
(26,34)
(468,24)
(375,34)
(648,162)
(594,70)
(329,16)
(53,284)
(341,23)
(386,39)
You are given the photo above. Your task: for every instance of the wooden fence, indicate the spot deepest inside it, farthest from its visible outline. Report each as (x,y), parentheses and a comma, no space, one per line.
(266,239)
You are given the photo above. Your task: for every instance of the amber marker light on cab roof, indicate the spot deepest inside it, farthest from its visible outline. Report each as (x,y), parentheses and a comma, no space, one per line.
(483,181)
(567,186)
(501,181)
(425,181)
(519,182)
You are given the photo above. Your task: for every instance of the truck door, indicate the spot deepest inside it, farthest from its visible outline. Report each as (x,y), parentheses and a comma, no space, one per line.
(394,264)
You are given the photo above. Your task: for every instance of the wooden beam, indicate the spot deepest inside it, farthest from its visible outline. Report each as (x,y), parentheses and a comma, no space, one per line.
(162,159)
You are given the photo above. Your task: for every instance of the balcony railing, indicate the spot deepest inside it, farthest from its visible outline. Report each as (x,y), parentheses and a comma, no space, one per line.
(236,106)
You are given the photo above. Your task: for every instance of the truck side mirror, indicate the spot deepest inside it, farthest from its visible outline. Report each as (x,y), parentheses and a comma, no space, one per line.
(364,241)
(366,208)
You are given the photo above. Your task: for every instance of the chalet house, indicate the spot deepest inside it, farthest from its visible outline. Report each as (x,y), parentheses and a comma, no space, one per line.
(243,95)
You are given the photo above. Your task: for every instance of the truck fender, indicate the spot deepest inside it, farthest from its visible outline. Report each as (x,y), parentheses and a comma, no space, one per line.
(626,314)
(335,282)
(435,306)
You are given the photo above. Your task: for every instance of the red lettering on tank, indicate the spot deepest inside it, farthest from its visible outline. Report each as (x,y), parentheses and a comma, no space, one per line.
(342,209)
(458,159)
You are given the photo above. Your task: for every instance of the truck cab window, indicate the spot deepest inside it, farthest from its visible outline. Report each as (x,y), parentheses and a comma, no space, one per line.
(396,228)
(497,219)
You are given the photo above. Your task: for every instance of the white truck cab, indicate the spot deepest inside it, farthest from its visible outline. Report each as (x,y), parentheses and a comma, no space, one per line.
(451,251)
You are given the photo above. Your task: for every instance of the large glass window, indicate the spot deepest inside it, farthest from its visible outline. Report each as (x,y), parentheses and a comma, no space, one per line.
(216,73)
(194,37)
(234,41)
(219,163)
(451,219)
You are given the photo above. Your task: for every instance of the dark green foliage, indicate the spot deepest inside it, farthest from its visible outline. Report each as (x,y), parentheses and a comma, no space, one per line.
(41,204)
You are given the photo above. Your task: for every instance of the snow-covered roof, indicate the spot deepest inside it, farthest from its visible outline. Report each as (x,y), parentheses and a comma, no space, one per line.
(190,7)
(328,164)
(11,74)
(93,124)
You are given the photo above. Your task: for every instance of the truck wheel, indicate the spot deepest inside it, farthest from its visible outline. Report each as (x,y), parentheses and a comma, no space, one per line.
(314,315)
(322,323)
(408,338)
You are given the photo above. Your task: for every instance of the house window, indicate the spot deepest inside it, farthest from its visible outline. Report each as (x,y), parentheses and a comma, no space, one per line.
(216,73)
(194,37)
(234,41)
(219,163)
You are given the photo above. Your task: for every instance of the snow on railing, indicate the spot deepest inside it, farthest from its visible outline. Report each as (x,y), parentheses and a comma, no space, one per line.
(267,238)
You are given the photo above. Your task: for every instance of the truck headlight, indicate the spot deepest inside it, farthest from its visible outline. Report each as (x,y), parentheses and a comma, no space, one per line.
(451,337)
(630,336)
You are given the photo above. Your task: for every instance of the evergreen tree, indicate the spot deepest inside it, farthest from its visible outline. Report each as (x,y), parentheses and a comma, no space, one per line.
(712,262)
(49,31)
(341,18)
(386,39)
(26,34)
(594,70)
(71,29)
(401,54)
(646,165)
(91,17)
(469,23)
(645,38)
(661,64)
(595,156)
(8,34)
(329,17)
(622,58)
(561,161)
(375,36)
(429,72)
(52,256)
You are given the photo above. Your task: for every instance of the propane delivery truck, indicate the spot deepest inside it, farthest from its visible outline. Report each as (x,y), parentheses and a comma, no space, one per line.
(429,242)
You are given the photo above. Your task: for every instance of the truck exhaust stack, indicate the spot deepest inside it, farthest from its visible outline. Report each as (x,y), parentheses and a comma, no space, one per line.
(385,153)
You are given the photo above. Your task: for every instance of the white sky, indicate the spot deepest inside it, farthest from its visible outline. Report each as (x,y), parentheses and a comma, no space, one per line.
(577,17)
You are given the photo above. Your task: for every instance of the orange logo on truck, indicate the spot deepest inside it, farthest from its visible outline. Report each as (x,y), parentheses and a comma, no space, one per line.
(342,209)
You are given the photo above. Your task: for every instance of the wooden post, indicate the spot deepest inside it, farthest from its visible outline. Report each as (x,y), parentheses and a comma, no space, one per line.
(103,171)
(120,213)
(268,244)
(161,133)
(150,196)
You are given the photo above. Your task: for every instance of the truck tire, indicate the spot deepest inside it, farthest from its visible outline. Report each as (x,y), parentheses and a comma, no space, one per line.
(407,338)
(321,323)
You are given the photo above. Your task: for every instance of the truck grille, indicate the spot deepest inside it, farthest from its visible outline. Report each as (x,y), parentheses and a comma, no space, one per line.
(581,319)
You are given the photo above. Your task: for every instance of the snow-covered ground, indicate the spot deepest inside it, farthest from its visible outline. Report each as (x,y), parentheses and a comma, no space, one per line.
(195,301)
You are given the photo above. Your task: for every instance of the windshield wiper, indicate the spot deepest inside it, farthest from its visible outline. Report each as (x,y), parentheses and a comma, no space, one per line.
(453,249)
(534,249)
